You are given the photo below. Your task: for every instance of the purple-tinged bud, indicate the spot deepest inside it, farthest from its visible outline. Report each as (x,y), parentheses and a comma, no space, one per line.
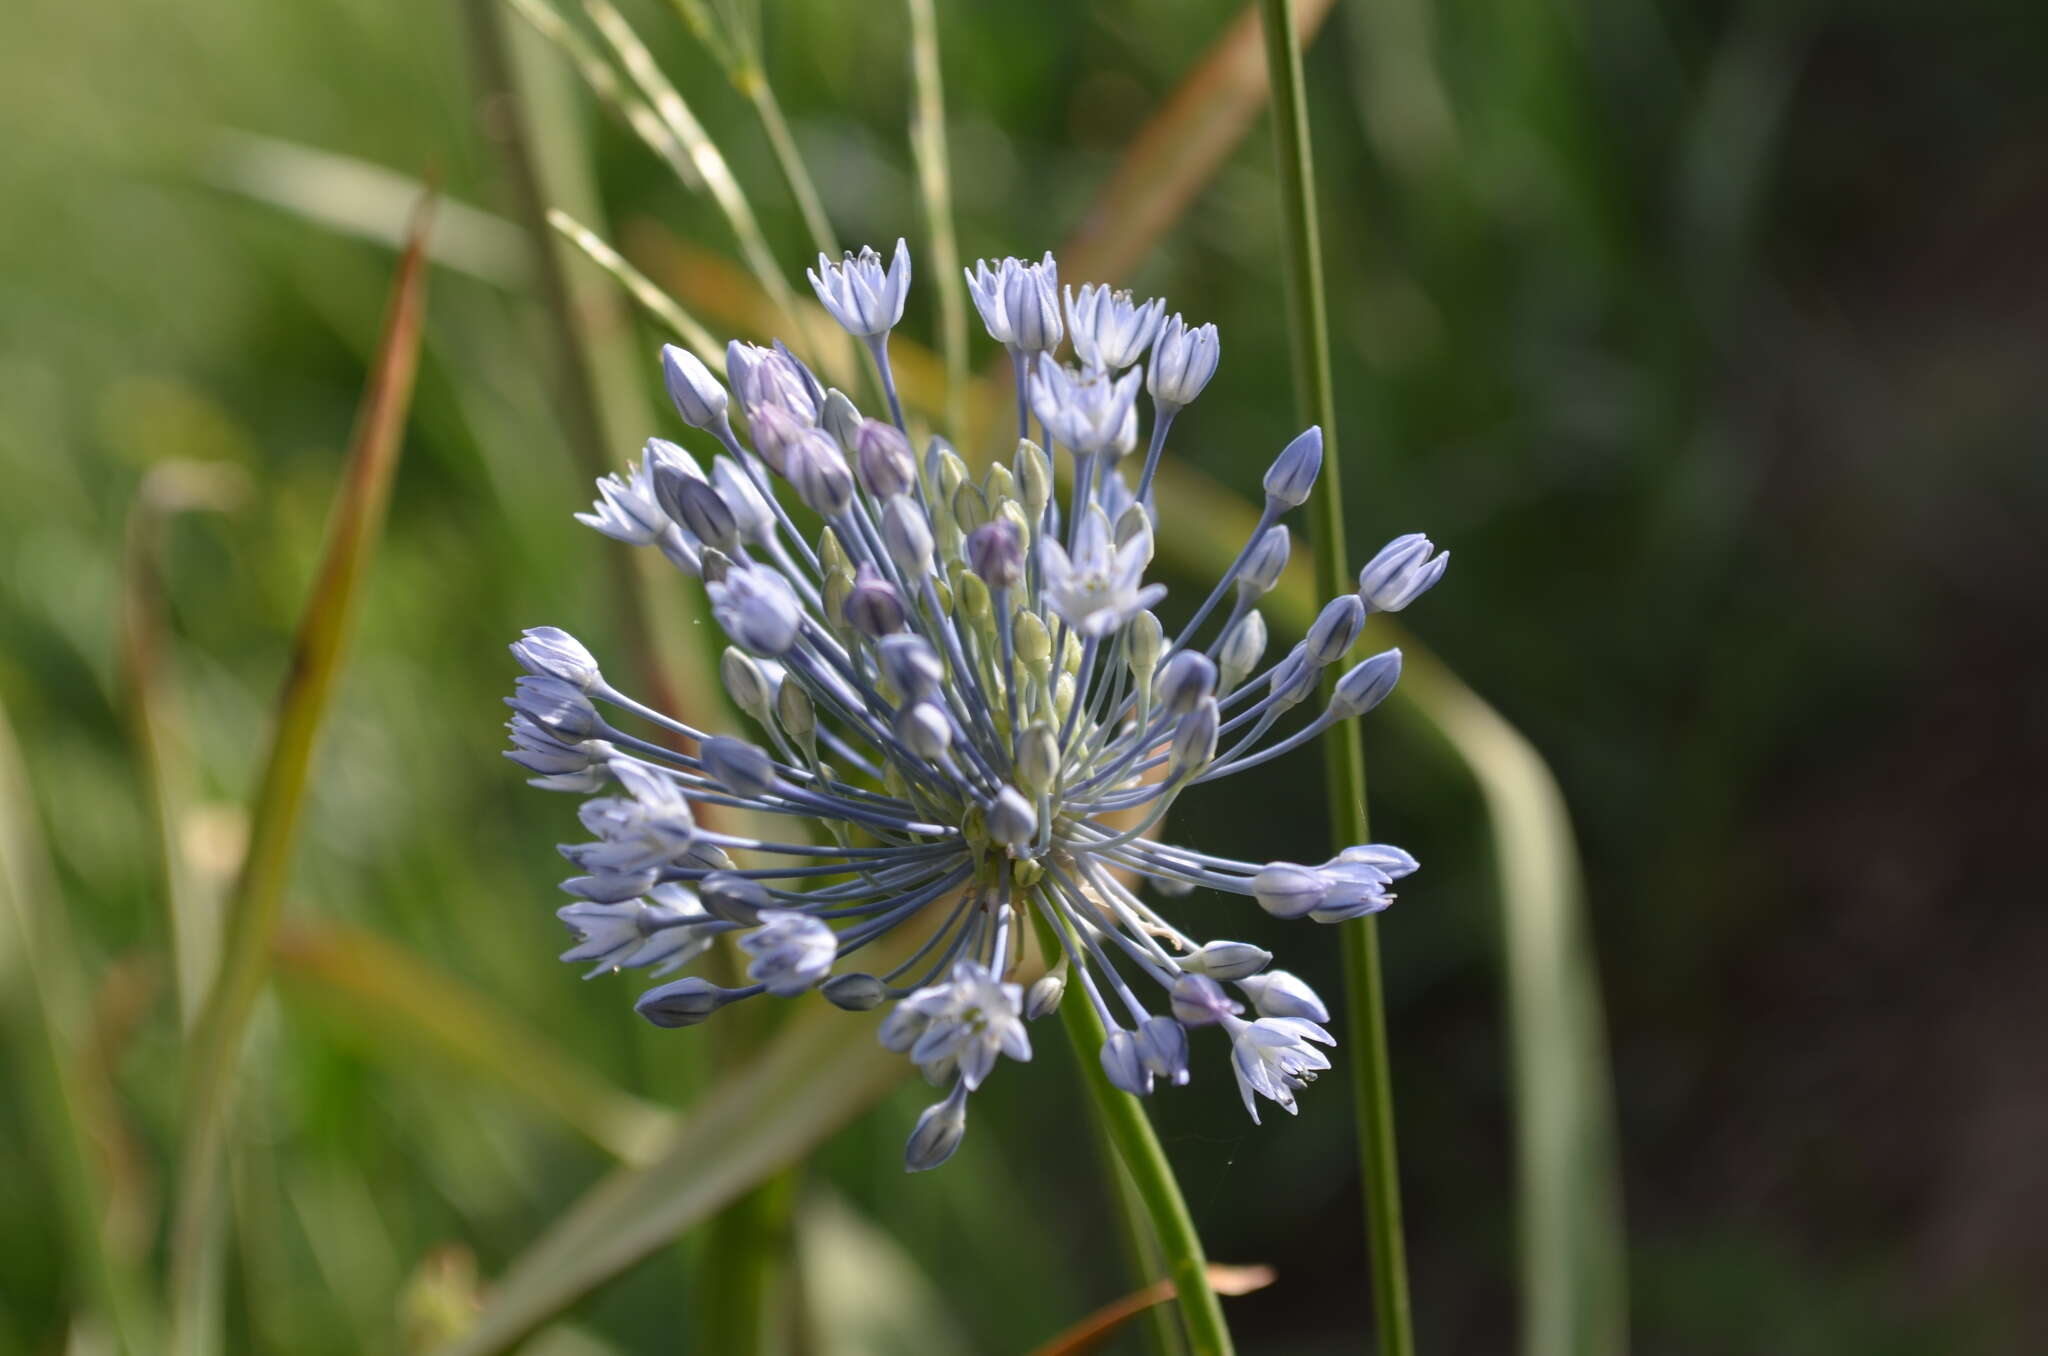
(1045,993)
(1335,629)
(882,459)
(774,431)
(1199,1000)
(1194,740)
(736,899)
(682,1002)
(1402,572)
(1183,681)
(700,509)
(1031,305)
(1163,1045)
(873,607)
(1293,473)
(793,952)
(1264,565)
(697,394)
(562,709)
(744,769)
(911,665)
(995,551)
(549,651)
(816,469)
(752,517)
(1366,685)
(1124,1065)
(757,608)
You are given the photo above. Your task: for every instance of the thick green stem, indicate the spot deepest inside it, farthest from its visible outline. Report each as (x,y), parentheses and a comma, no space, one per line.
(1344,754)
(1124,1121)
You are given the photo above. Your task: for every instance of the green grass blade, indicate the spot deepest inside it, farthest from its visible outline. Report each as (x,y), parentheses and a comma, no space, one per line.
(395,1001)
(821,1070)
(935,185)
(45,985)
(254,902)
(156,728)
(652,299)
(1315,399)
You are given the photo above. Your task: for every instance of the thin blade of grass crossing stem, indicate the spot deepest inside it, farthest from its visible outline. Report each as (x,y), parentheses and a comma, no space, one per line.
(935,183)
(254,902)
(47,1004)
(820,1071)
(652,299)
(1573,1256)
(395,1001)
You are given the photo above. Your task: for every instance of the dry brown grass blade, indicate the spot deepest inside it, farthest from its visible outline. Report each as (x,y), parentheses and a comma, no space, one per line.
(1179,149)
(255,902)
(1092,1331)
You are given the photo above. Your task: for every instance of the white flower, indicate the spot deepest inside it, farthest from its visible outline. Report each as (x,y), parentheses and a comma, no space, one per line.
(1272,1057)
(1099,588)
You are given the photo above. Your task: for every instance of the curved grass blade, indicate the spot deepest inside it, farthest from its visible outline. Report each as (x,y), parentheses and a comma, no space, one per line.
(396,1000)
(155,725)
(214,1051)
(652,299)
(935,185)
(820,1071)
(45,986)
(1095,1329)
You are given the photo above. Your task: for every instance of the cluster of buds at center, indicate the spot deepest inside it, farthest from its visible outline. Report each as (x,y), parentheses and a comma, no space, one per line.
(961,692)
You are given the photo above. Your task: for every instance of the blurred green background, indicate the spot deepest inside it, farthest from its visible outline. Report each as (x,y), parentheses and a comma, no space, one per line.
(1711,337)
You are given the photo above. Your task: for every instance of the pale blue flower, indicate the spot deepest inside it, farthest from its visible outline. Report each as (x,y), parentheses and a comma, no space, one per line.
(963,706)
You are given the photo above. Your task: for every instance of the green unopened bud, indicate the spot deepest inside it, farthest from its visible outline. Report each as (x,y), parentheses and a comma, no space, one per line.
(969,509)
(831,555)
(973,595)
(952,474)
(1063,696)
(1242,646)
(1000,484)
(1144,638)
(838,584)
(1034,642)
(1034,478)
(1017,515)
(744,682)
(1131,522)
(1070,655)
(1038,759)
(793,708)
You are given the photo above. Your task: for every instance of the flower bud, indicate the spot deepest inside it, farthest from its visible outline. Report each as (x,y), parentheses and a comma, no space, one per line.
(794,710)
(551,652)
(744,682)
(1011,819)
(1263,567)
(854,992)
(882,459)
(1366,685)
(1286,890)
(1038,758)
(995,552)
(736,899)
(1402,572)
(1034,478)
(682,1002)
(1194,740)
(840,418)
(938,1132)
(1183,360)
(1227,960)
(1124,1065)
(741,768)
(1335,629)
(907,535)
(816,470)
(873,608)
(911,665)
(1280,994)
(1143,640)
(1293,473)
(1243,645)
(924,730)
(697,395)
(700,509)
(1183,681)
(1163,1045)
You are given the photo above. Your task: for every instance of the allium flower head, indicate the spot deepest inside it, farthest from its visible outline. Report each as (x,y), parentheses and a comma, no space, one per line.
(964,709)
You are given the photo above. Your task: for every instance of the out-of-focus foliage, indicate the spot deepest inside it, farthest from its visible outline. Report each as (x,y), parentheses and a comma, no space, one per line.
(1708,336)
